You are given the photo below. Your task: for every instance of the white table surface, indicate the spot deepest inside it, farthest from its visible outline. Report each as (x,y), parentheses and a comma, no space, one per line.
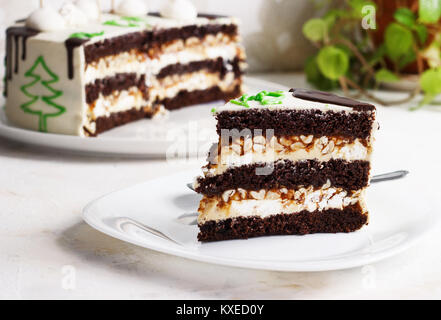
(47,251)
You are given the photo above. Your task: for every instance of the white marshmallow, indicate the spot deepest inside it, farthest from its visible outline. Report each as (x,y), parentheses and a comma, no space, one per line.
(89,8)
(179,10)
(73,16)
(132,8)
(45,19)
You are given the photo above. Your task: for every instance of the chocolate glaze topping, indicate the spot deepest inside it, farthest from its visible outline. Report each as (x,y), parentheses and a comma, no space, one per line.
(326,97)
(13,34)
(71,44)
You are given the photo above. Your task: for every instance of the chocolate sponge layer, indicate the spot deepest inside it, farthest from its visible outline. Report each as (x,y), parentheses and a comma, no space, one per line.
(349,219)
(299,122)
(348,175)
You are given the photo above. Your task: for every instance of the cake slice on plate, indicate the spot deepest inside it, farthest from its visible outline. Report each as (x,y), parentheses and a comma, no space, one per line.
(294,162)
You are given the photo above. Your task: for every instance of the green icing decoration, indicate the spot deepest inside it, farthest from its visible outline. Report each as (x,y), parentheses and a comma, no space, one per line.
(128,22)
(213,110)
(52,94)
(85,35)
(137,19)
(264,97)
(118,24)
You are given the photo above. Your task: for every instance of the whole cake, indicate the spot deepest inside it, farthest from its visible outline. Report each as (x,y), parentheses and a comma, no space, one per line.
(294,162)
(81,72)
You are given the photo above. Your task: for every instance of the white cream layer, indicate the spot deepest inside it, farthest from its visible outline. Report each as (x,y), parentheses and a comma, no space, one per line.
(170,86)
(270,204)
(258,150)
(128,62)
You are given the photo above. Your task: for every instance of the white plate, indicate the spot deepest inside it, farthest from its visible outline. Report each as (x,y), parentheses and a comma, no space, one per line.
(163,203)
(191,126)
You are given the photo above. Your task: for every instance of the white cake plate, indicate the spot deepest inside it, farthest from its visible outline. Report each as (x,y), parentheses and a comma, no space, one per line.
(159,215)
(186,132)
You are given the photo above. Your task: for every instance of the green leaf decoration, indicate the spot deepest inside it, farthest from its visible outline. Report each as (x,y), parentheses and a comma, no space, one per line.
(398,41)
(314,29)
(85,35)
(430,81)
(126,24)
(316,78)
(333,62)
(264,97)
(429,11)
(384,75)
(137,19)
(52,94)
(405,16)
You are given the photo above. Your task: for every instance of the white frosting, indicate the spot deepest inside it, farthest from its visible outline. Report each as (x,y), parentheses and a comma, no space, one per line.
(73,16)
(132,8)
(179,10)
(288,102)
(271,204)
(235,156)
(127,62)
(89,7)
(45,19)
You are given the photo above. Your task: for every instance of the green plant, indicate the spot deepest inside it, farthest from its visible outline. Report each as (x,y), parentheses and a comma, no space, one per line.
(348,58)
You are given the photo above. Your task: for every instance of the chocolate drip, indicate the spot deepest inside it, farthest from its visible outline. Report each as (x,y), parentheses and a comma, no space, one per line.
(71,44)
(326,97)
(14,34)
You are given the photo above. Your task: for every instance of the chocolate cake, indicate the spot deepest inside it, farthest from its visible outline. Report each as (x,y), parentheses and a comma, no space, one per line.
(286,163)
(79,73)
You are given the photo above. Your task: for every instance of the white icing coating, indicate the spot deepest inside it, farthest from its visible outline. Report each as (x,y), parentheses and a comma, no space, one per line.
(72,15)
(179,10)
(89,7)
(45,19)
(288,102)
(132,8)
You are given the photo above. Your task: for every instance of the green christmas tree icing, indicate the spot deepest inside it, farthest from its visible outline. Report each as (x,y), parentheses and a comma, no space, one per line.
(42,76)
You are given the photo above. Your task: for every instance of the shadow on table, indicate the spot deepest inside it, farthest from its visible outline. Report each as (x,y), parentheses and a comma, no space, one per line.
(202,280)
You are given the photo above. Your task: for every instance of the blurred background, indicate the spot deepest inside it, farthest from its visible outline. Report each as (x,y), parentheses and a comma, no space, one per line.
(271,29)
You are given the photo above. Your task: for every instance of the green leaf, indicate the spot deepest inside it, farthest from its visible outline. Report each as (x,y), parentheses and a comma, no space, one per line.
(429,11)
(384,75)
(409,57)
(333,15)
(421,31)
(430,81)
(316,78)
(333,62)
(378,55)
(405,16)
(314,29)
(398,41)
(358,5)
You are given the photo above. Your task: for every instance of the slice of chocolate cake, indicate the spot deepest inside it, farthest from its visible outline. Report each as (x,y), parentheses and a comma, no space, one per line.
(294,162)
(70,74)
